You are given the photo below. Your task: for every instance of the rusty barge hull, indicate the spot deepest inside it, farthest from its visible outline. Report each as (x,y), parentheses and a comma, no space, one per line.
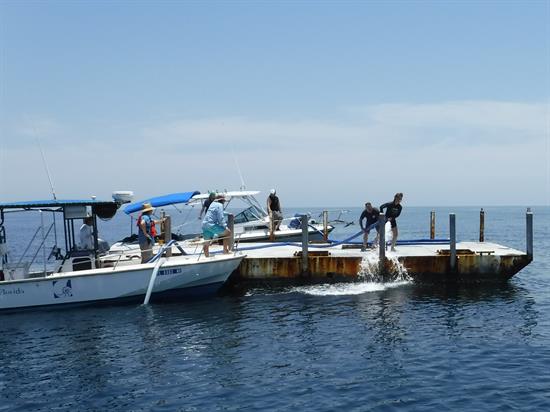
(476,262)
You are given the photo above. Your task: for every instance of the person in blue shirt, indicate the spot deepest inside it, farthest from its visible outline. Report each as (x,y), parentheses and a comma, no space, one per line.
(214,225)
(146,232)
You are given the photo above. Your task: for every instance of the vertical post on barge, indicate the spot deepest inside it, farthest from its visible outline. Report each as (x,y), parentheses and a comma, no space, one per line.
(231,227)
(381,242)
(305,241)
(529,233)
(325,225)
(432,224)
(482,225)
(167,223)
(452,235)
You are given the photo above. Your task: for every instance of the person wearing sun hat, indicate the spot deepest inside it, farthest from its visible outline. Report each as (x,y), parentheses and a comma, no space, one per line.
(214,225)
(146,232)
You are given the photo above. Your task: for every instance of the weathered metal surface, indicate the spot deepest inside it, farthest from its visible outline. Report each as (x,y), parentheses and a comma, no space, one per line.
(290,267)
(436,268)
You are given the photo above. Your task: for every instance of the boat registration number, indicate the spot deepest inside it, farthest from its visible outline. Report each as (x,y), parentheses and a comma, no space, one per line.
(174,271)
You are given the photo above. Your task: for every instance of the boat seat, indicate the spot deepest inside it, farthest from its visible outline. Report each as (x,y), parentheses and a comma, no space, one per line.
(82,260)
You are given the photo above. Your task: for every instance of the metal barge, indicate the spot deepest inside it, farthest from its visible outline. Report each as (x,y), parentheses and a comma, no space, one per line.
(436,261)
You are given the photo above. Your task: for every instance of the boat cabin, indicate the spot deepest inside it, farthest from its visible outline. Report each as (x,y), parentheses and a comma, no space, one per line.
(39,258)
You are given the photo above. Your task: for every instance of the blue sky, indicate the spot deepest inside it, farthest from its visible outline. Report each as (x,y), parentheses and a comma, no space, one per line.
(332,103)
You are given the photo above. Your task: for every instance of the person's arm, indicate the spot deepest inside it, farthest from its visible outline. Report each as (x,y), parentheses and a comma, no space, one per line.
(269,205)
(384,206)
(363,216)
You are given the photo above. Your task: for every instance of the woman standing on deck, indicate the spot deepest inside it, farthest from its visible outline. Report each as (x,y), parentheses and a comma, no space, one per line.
(146,232)
(393,210)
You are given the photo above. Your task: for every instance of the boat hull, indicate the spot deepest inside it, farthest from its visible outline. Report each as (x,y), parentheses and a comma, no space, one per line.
(177,277)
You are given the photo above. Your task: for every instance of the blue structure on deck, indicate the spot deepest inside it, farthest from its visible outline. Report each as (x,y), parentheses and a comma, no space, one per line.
(171,199)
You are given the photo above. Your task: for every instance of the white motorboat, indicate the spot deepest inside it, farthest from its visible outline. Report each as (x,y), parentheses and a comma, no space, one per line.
(78,277)
(251,222)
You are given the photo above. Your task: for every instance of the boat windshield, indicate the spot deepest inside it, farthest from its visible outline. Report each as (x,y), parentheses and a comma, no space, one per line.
(250,214)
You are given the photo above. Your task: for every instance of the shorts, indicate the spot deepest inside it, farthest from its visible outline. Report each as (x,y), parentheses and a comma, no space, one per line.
(211,231)
(393,222)
(277,216)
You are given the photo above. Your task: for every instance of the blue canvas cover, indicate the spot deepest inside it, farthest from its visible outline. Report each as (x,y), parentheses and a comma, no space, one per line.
(158,201)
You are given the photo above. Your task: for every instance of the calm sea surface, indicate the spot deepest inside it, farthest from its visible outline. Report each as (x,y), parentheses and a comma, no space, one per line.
(345,347)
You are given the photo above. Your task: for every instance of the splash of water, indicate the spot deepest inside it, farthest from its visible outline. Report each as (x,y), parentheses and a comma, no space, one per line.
(370,279)
(369,270)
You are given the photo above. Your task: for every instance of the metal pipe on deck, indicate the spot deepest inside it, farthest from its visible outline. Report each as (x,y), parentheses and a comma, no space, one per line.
(381,242)
(231,227)
(167,222)
(432,224)
(529,233)
(452,235)
(305,241)
(482,225)
(325,225)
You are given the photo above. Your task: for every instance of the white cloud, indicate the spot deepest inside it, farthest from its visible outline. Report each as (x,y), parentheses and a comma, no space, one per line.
(449,153)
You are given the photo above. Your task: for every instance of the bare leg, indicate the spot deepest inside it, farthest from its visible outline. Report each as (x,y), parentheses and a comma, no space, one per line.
(226,235)
(365,239)
(394,238)
(206,249)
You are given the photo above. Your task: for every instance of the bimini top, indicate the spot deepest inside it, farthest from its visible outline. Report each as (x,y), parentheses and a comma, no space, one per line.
(228,195)
(32,204)
(165,200)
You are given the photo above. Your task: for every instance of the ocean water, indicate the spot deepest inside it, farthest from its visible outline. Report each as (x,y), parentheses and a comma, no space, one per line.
(358,347)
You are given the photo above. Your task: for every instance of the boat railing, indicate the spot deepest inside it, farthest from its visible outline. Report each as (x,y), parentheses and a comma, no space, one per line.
(161,251)
(26,265)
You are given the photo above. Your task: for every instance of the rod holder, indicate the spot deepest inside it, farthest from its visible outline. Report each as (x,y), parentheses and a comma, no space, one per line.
(432,224)
(452,235)
(529,233)
(305,242)
(482,225)
(381,242)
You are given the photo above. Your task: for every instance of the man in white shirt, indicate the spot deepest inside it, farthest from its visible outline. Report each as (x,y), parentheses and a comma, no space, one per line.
(86,234)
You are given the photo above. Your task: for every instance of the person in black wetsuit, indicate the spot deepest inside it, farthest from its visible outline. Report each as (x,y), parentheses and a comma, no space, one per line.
(207,204)
(370,214)
(393,210)
(274,210)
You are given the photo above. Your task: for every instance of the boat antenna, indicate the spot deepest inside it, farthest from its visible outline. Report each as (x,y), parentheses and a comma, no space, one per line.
(46,167)
(243,186)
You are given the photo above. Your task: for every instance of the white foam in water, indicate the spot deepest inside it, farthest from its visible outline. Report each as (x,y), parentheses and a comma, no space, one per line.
(369,276)
(369,270)
(387,232)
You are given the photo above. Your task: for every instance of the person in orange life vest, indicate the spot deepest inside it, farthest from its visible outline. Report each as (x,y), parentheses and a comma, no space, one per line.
(146,232)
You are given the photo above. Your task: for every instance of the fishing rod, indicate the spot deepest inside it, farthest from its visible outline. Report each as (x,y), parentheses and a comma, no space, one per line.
(46,167)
